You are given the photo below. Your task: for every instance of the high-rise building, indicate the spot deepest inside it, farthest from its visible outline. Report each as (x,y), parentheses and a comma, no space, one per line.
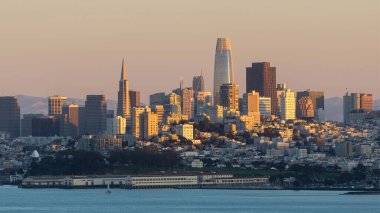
(96,114)
(160,111)
(281,88)
(46,126)
(172,103)
(150,124)
(223,67)
(144,123)
(157,99)
(265,106)
(288,105)
(317,97)
(123,101)
(305,108)
(366,102)
(356,103)
(216,114)
(251,103)
(136,122)
(71,112)
(188,102)
(116,125)
(204,101)
(56,103)
(26,124)
(10,116)
(134,97)
(229,95)
(198,84)
(261,77)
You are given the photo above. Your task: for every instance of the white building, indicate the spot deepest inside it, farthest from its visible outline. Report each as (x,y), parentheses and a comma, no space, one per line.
(288,105)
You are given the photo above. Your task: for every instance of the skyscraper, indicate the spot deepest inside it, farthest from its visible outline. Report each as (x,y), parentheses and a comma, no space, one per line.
(229,94)
(56,103)
(198,84)
(123,101)
(305,108)
(223,67)
(71,112)
(157,99)
(265,106)
(10,116)
(134,97)
(317,97)
(188,102)
(356,103)
(96,114)
(261,77)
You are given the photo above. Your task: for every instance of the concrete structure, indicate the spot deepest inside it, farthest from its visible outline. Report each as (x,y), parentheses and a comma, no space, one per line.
(288,105)
(26,124)
(134,97)
(160,111)
(157,99)
(56,103)
(229,96)
(96,114)
(187,102)
(71,114)
(251,104)
(261,77)
(105,145)
(10,116)
(144,123)
(265,106)
(46,126)
(123,101)
(185,130)
(305,108)
(223,68)
(216,114)
(203,102)
(356,102)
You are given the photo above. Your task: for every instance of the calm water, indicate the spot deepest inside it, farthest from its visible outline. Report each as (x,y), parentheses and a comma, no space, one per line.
(13,199)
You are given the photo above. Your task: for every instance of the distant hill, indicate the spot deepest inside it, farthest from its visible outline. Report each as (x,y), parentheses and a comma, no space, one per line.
(39,105)
(30,104)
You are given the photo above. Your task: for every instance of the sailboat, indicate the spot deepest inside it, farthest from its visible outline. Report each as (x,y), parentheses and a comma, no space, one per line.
(108,189)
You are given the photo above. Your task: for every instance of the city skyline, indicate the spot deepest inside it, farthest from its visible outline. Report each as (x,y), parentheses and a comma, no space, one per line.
(322,49)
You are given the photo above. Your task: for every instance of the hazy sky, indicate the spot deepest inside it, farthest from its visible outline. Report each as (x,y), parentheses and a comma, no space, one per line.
(74,48)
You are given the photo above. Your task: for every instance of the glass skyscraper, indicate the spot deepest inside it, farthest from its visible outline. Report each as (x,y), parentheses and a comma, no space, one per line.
(223,68)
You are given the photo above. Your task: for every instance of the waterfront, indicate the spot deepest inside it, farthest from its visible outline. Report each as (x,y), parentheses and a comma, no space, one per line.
(14,199)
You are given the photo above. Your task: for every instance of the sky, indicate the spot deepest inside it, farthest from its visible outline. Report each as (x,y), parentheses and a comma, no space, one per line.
(74,48)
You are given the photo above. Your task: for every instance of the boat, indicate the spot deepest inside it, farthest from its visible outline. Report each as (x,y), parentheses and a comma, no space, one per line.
(108,189)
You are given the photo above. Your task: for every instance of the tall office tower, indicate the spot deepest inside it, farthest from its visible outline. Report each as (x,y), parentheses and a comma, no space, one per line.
(204,101)
(366,102)
(71,112)
(172,103)
(150,124)
(46,126)
(288,105)
(157,99)
(123,101)
(188,102)
(134,97)
(82,120)
(265,106)
(198,84)
(251,103)
(223,67)
(347,107)
(261,77)
(356,103)
(96,114)
(229,94)
(305,108)
(10,116)
(317,97)
(26,124)
(56,103)
(136,122)
(116,125)
(159,110)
